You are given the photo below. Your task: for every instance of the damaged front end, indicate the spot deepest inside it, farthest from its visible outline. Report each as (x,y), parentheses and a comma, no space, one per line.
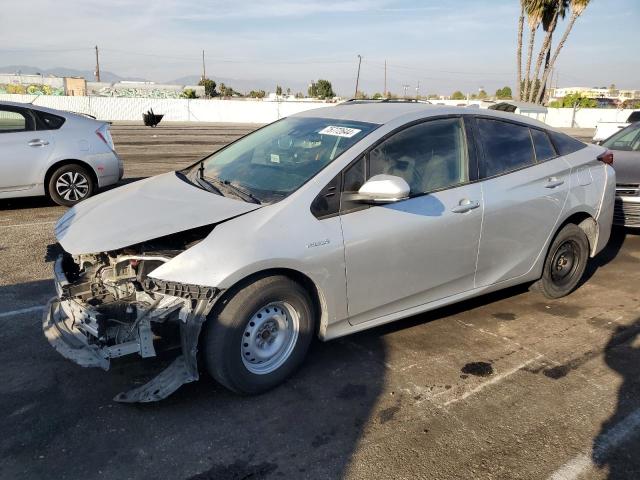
(108,307)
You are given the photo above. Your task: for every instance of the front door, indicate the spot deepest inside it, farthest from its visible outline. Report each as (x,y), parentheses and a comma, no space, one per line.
(422,249)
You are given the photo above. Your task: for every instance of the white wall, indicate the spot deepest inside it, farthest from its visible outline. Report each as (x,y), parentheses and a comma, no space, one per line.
(198,110)
(255,111)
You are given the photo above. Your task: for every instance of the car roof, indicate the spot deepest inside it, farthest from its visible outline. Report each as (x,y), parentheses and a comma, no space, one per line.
(68,115)
(385,112)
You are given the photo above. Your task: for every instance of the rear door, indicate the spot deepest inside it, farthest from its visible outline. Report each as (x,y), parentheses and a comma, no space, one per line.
(24,151)
(418,250)
(524,190)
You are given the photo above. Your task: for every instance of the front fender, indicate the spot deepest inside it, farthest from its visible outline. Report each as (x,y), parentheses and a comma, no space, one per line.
(265,240)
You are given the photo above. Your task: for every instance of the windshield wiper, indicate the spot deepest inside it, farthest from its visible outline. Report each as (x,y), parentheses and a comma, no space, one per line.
(243,192)
(235,189)
(208,185)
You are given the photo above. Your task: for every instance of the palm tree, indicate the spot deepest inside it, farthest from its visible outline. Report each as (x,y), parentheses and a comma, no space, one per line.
(577,7)
(551,10)
(519,51)
(534,9)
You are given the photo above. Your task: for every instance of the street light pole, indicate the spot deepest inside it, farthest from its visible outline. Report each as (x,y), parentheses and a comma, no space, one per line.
(358,76)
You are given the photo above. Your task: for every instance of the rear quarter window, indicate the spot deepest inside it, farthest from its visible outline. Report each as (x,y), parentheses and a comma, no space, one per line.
(48,121)
(565,144)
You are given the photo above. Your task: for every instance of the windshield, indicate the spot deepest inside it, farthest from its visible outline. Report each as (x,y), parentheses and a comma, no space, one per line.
(274,161)
(627,139)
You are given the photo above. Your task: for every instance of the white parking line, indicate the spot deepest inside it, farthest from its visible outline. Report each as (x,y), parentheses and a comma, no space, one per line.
(493,380)
(21,311)
(28,224)
(603,446)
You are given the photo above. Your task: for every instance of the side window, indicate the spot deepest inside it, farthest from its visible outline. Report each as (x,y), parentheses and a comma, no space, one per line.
(565,144)
(430,156)
(543,146)
(11,121)
(507,146)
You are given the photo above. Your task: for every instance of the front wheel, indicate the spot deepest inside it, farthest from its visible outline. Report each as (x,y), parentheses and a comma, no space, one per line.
(565,263)
(259,334)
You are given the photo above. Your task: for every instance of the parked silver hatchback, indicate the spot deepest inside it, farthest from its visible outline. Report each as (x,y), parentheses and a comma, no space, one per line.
(63,155)
(324,223)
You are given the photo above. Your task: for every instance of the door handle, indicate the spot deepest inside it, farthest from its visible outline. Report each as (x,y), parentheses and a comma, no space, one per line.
(36,142)
(553,182)
(465,206)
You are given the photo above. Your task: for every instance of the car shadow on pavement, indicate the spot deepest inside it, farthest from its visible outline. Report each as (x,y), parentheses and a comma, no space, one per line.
(26,202)
(610,251)
(617,444)
(59,420)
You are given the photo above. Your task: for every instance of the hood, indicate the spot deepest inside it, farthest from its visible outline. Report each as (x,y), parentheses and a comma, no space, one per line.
(142,211)
(627,166)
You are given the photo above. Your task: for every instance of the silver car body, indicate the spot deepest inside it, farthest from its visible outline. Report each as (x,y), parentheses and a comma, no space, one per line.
(625,146)
(27,157)
(366,267)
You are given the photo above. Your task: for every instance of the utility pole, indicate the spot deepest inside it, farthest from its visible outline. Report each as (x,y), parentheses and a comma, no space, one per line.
(384,92)
(418,91)
(97,72)
(405,87)
(358,76)
(204,71)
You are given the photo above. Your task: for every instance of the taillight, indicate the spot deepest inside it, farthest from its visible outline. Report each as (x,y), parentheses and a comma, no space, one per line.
(104,135)
(606,157)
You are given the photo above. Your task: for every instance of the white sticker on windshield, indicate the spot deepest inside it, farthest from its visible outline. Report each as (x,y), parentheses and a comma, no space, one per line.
(275,158)
(339,131)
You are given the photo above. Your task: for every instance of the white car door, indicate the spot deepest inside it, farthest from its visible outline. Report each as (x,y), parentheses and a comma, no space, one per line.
(24,151)
(524,194)
(421,249)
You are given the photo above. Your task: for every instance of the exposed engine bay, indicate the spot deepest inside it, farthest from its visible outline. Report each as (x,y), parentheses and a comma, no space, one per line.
(108,307)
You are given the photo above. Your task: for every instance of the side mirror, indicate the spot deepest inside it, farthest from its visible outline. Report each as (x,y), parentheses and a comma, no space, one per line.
(381,189)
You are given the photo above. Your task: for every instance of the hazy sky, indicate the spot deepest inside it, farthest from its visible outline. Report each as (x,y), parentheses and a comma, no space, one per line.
(445,46)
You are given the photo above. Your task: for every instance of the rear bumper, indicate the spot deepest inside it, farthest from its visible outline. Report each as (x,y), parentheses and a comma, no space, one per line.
(627,212)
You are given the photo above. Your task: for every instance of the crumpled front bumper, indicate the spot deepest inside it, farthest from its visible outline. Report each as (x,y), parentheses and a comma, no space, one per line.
(71,329)
(68,340)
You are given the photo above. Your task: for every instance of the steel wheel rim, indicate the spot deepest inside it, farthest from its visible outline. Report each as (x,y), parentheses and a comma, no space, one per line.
(72,186)
(269,337)
(564,263)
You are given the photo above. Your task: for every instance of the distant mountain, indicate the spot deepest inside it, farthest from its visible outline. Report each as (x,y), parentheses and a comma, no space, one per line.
(105,76)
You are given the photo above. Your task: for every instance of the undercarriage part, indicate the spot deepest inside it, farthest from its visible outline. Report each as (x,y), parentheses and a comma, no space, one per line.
(183,369)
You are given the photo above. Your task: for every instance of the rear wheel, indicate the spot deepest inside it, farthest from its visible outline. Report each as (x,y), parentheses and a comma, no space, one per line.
(259,335)
(565,263)
(70,184)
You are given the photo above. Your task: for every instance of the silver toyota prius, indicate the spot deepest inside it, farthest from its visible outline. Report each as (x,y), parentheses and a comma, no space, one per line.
(66,156)
(325,223)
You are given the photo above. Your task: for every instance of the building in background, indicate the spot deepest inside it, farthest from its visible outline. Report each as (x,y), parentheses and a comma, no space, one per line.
(79,87)
(612,93)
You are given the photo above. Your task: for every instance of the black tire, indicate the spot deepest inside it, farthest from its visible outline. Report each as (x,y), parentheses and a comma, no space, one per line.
(229,322)
(64,176)
(565,263)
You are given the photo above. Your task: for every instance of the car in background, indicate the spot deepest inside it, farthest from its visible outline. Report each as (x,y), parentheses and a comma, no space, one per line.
(605,129)
(64,155)
(324,223)
(625,146)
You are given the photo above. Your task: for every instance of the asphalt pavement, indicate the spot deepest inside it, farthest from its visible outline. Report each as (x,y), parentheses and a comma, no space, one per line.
(509,385)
